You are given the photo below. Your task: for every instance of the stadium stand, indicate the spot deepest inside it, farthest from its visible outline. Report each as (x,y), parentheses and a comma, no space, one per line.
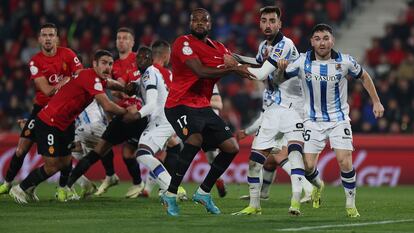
(86,26)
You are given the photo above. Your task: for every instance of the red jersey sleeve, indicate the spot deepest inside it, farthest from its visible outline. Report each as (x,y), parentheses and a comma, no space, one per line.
(35,69)
(73,61)
(92,84)
(184,49)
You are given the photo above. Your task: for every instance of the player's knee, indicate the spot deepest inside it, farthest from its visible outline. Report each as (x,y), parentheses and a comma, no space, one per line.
(51,168)
(195,140)
(295,147)
(22,149)
(257,157)
(230,146)
(102,147)
(345,163)
(270,163)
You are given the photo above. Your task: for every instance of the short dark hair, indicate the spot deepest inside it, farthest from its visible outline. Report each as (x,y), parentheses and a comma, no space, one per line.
(144,49)
(200,9)
(100,53)
(49,25)
(126,29)
(159,46)
(322,27)
(271,9)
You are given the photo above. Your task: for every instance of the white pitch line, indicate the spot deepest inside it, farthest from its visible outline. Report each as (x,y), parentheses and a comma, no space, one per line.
(344,225)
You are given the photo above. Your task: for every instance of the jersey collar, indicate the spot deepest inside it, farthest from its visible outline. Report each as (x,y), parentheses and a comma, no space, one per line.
(334,55)
(278,38)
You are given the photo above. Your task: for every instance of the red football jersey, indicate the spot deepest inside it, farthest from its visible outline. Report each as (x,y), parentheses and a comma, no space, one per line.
(126,69)
(186,88)
(72,99)
(54,69)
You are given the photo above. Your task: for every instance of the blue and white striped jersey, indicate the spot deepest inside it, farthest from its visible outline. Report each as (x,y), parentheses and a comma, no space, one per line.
(325,85)
(92,114)
(284,93)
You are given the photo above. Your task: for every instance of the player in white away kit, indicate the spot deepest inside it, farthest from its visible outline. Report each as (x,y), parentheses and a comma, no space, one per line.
(280,119)
(153,91)
(90,125)
(323,72)
(278,156)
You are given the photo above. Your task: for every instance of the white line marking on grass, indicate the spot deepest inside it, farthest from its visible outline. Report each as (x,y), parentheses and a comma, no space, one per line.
(344,225)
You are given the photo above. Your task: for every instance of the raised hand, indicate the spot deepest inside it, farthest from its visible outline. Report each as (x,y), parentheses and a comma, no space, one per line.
(244,72)
(282,64)
(131,88)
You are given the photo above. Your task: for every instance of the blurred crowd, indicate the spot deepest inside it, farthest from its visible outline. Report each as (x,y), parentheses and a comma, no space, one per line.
(391,61)
(85,26)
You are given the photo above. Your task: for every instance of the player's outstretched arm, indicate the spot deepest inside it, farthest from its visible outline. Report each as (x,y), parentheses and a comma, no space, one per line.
(115,85)
(368,84)
(108,105)
(262,72)
(131,88)
(211,72)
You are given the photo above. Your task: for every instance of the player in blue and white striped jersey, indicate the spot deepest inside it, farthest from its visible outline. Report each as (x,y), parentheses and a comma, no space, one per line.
(280,119)
(323,73)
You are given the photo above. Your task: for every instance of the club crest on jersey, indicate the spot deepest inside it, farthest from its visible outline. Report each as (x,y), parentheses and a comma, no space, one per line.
(64,66)
(51,150)
(308,76)
(34,70)
(185,131)
(27,132)
(338,67)
(98,85)
(186,49)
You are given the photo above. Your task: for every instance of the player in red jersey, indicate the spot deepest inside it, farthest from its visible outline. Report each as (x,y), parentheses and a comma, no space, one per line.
(197,64)
(117,132)
(54,129)
(52,67)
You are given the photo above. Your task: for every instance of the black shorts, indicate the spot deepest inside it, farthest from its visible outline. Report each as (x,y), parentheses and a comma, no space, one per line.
(186,121)
(118,131)
(51,141)
(28,131)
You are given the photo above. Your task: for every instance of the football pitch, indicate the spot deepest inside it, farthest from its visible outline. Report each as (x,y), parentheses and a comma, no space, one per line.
(382,209)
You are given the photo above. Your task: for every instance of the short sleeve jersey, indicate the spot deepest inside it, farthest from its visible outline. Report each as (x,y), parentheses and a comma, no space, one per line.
(186,88)
(325,85)
(126,69)
(154,78)
(72,99)
(54,69)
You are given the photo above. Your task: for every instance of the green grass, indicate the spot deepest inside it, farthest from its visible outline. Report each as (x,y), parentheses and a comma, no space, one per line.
(113,213)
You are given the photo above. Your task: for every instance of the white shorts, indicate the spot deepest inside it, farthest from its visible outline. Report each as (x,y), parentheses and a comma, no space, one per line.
(156,135)
(278,122)
(316,133)
(88,135)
